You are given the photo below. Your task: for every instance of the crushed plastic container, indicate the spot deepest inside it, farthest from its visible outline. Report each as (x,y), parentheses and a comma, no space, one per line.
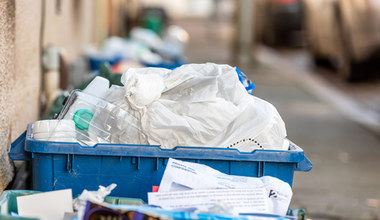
(136,168)
(99,121)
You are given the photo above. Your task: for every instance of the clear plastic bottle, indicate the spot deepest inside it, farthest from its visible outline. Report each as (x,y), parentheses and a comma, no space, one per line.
(81,111)
(98,121)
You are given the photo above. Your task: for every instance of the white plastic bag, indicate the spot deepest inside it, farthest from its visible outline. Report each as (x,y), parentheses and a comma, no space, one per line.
(201,105)
(92,196)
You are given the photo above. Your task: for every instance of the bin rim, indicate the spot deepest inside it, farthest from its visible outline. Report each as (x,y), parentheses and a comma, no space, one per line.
(295,154)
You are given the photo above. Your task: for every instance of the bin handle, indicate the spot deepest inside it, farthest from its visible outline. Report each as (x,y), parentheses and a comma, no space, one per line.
(17,149)
(304,165)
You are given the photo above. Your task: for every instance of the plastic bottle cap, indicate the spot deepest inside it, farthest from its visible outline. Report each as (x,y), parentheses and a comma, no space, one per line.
(98,87)
(82,118)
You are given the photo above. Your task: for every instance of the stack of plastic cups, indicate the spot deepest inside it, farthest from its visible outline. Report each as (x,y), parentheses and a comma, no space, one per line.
(54,130)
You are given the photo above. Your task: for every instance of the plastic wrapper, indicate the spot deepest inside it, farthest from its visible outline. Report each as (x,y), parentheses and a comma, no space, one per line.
(200,105)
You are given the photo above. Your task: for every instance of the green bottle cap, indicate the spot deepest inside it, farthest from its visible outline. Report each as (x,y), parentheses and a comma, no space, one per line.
(82,118)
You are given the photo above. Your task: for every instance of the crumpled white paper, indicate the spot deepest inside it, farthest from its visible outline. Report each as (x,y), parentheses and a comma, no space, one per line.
(92,196)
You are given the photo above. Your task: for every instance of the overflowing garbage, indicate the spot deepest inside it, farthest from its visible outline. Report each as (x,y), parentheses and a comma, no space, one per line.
(179,111)
(202,105)
(144,47)
(184,193)
(141,106)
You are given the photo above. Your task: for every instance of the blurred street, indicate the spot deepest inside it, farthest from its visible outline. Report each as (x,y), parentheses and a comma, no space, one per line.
(335,123)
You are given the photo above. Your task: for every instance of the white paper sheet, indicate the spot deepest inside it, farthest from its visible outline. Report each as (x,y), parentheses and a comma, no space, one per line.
(252,200)
(46,206)
(180,175)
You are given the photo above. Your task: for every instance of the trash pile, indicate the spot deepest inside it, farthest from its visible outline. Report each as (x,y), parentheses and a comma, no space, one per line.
(155,113)
(144,47)
(203,105)
(187,191)
(123,124)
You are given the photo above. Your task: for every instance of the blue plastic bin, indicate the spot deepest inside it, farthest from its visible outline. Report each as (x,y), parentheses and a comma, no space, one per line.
(136,168)
(8,203)
(96,60)
(170,64)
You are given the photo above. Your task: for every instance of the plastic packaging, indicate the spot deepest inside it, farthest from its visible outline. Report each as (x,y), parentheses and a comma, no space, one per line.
(92,119)
(146,36)
(82,110)
(54,130)
(92,196)
(202,105)
(99,121)
(247,83)
(134,49)
(174,42)
(98,87)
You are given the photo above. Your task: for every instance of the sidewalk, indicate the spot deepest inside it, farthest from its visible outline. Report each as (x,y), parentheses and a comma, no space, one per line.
(344,182)
(358,102)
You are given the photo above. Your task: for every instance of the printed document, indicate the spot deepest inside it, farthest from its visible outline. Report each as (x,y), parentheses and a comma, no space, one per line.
(181,176)
(252,200)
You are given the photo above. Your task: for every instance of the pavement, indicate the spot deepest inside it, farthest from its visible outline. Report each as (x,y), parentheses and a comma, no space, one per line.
(344,182)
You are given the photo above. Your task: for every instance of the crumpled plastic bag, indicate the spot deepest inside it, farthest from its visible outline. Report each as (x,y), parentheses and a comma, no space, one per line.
(203,105)
(92,196)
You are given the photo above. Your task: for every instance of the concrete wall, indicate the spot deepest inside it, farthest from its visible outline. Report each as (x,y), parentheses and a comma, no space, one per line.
(27,72)
(7,64)
(70,25)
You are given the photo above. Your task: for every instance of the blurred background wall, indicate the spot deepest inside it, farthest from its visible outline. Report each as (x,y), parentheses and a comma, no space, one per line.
(28,26)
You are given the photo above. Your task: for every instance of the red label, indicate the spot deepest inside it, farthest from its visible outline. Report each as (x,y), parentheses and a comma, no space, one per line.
(155,188)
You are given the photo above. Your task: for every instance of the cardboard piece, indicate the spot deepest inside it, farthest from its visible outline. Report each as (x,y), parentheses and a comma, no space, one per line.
(46,206)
